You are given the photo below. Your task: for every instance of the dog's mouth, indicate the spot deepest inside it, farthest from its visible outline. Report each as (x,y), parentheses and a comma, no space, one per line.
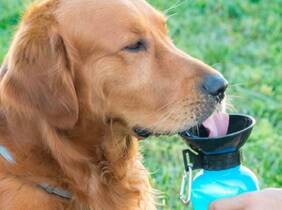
(216,125)
(212,117)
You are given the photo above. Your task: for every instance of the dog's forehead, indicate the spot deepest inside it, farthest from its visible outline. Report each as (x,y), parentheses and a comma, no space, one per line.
(104,17)
(110,9)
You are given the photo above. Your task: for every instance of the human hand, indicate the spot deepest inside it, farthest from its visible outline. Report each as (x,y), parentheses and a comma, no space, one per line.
(268,199)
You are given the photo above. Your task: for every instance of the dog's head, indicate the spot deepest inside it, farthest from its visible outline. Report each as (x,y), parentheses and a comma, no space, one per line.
(119,51)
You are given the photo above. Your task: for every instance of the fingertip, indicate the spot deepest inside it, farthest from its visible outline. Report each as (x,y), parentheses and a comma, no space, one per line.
(215,205)
(235,203)
(212,206)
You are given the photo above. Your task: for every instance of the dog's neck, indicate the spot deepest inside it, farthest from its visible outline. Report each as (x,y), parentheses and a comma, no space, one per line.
(68,157)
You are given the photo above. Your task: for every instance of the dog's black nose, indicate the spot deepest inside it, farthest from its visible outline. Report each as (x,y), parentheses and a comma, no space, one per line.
(215,85)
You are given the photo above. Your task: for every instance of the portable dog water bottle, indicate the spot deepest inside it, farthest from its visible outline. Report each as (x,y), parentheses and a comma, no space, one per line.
(221,174)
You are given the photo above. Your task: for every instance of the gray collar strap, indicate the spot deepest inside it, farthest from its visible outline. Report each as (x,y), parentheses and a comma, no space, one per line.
(55,191)
(5,153)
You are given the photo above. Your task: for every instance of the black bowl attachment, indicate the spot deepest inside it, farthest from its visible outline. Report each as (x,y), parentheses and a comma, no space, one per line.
(220,152)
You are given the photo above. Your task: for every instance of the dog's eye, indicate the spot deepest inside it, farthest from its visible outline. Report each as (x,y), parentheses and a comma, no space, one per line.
(136,47)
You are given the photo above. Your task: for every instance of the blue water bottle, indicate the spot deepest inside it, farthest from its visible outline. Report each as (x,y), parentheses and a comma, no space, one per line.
(221,174)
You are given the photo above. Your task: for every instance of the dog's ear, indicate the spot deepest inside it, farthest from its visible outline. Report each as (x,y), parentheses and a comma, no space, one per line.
(39,76)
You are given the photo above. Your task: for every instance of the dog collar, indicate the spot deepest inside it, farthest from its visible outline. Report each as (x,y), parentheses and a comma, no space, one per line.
(57,191)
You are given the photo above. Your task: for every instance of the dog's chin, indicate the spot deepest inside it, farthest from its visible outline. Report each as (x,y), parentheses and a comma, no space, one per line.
(142,133)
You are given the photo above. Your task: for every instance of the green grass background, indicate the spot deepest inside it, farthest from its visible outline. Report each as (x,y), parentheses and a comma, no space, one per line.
(242,39)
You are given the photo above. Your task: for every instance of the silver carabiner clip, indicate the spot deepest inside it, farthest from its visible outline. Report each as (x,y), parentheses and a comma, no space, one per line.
(186,185)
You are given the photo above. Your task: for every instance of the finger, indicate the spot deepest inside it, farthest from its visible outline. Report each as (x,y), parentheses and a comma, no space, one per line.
(236,203)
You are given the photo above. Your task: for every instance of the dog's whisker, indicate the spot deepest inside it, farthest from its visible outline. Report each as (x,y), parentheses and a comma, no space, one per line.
(176,101)
(166,114)
(230,96)
(237,84)
(165,117)
(174,6)
(155,125)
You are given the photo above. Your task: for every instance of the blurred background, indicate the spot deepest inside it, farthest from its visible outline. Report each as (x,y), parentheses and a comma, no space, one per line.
(240,38)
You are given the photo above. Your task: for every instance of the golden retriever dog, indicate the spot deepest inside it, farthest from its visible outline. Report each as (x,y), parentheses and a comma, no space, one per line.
(83,80)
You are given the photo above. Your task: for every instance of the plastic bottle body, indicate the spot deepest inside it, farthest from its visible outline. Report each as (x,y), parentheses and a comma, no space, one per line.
(208,186)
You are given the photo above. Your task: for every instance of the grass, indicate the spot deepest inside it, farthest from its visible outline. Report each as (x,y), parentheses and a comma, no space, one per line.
(242,39)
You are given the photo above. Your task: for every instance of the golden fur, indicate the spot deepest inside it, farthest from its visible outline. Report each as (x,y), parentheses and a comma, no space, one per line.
(70,95)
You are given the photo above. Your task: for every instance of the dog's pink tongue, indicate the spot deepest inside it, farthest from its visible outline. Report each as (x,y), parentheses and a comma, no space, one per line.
(217,124)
